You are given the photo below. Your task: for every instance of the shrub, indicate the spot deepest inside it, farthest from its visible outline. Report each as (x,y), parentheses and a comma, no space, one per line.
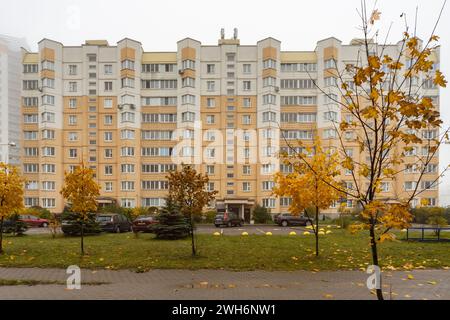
(14,225)
(71,224)
(421,215)
(261,214)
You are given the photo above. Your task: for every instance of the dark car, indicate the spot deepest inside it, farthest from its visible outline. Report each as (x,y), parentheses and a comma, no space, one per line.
(113,222)
(228,219)
(286,219)
(71,225)
(144,224)
(33,221)
(14,226)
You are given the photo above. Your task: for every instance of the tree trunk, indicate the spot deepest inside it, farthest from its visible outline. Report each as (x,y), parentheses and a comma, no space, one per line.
(194,251)
(317,231)
(82,238)
(373,245)
(1,235)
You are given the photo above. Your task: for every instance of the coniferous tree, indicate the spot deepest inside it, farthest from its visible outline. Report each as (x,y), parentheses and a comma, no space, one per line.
(172,224)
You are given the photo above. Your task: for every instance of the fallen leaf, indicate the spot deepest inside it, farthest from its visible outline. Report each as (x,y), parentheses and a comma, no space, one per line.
(410,277)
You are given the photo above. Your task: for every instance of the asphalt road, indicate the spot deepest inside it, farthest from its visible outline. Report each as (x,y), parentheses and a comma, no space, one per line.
(210,229)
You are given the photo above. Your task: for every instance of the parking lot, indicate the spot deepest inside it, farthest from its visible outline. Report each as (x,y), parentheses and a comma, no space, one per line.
(210,229)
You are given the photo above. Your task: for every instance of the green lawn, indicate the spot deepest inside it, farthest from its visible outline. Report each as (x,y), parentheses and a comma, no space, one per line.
(339,251)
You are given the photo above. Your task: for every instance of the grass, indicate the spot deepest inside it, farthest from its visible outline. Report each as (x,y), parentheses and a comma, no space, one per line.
(29,282)
(339,251)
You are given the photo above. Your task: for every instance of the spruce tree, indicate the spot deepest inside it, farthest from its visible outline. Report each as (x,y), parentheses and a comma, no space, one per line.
(172,225)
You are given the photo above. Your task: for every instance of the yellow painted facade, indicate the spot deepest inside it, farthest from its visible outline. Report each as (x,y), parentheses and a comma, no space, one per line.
(124,120)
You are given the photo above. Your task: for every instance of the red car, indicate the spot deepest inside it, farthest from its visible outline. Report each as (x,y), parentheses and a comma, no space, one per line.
(144,224)
(34,221)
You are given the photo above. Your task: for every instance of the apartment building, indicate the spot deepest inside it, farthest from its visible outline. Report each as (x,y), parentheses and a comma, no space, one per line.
(132,116)
(10,92)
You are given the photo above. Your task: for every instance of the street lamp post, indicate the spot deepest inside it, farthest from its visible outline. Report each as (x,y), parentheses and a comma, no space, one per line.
(9,144)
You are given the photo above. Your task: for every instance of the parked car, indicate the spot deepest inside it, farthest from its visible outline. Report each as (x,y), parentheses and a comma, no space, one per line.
(14,226)
(33,221)
(144,224)
(228,219)
(70,224)
(113,222)
(286,219)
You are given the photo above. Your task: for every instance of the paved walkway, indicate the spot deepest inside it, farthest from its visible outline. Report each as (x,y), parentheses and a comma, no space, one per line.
(217,284)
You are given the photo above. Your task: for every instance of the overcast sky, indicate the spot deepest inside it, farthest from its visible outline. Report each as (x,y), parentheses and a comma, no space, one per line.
(158,25)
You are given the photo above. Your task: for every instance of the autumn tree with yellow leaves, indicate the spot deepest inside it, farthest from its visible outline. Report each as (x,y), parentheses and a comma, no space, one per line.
(81,191)
(383,105)
(11,194)
(312,183)
(187,191)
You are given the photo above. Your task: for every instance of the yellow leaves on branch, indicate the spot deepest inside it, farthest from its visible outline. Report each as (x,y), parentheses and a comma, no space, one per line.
(311,185)
(81,190)
(375,16)
(11,190)
(439,79)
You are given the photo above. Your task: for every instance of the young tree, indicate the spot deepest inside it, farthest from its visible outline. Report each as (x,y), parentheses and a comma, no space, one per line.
(311,184)
(187,190)
(81,191)
(11,194)
(382,97)
(172,225)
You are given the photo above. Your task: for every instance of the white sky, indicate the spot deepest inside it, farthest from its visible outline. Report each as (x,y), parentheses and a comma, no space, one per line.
(158,25)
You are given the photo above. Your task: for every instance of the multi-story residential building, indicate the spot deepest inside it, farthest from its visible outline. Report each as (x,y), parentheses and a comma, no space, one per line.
(10,92)
(133,116)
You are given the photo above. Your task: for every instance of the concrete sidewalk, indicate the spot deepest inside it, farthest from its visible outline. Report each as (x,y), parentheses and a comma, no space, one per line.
(217,284)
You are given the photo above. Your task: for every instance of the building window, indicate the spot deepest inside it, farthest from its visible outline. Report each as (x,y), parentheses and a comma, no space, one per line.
(127,203)
(127,82)
(108,170)
(269,64)
(188,64)
(247,68)
(48,134)
(247,85)
(210,170)
(108,85)
(269,116)
(72,69)
(188,116)
(47,99)
(107,103)
(108,69)
(188,82)
(48,151)
(246,186)
(108,136)
(48,202)
(210,119)
(73,87)
(269,82)
(246,119)
(269,203)
(127,151)
(210,85)
(73,153)
(128,64)
(30,68)
(108,186)
(127,117)
(210,68)
(48,65)
(269,99)
(108,119)
(127,134)
(72,120)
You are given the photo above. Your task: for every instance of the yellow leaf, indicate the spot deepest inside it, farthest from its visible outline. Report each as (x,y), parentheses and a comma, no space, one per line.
(439,79)
(432,282)
(410,277)
(375,16)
